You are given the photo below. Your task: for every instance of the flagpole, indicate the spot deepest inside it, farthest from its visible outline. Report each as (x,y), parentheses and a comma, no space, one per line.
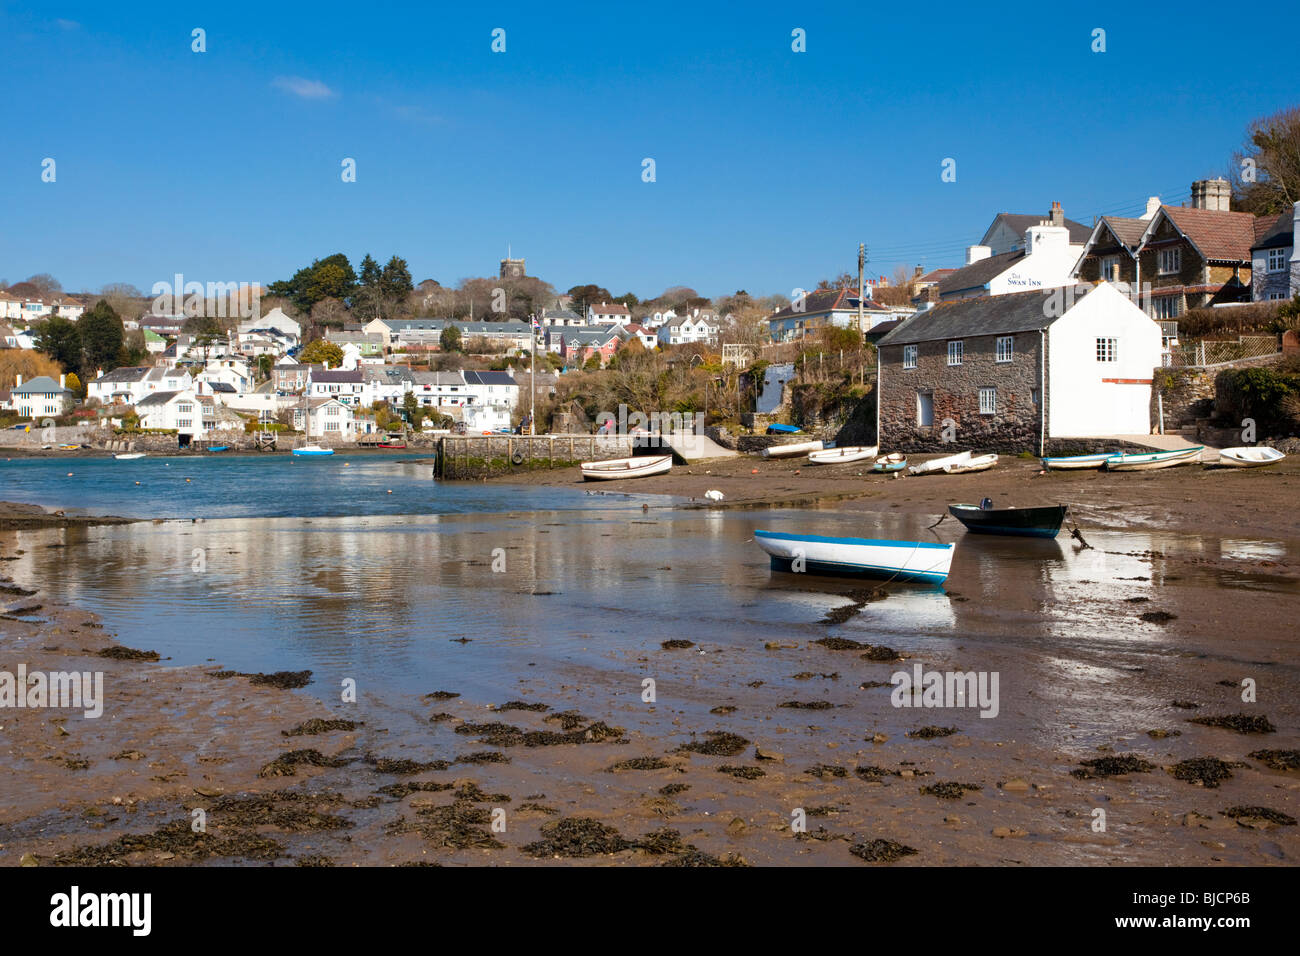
(532,385)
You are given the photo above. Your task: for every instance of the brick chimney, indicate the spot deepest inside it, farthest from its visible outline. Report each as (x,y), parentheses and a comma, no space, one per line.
(1212,194)
(1057,216)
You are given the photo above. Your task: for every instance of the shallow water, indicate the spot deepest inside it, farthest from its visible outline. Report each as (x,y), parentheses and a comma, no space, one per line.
(583,598)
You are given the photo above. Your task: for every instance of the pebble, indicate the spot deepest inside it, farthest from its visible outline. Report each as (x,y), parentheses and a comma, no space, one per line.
(1016,786)
(1005,832)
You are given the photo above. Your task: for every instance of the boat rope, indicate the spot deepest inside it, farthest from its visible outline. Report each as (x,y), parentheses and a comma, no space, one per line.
(937,523)
(1078,536)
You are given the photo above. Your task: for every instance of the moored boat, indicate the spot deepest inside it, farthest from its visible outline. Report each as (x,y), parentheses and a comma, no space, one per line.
(1043,522)
(939,464)
(312,451)
(1077,462)
(857,557)
(130,456)
(842,456)
(890,463)
(1153,460)
(792,451)
(1249,457)
(977,463)
(219,448)
(616,468)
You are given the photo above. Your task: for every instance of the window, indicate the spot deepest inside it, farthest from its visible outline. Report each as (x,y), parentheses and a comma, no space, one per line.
(988,401)
(956,350)
(1005,347)
(1033,396)
(184,408)
(1107,350)
(184,423)
(1276,295)
(1171,260)
(1277,260)
(909,356)
(1165,307)
(331,426)
(1110,269)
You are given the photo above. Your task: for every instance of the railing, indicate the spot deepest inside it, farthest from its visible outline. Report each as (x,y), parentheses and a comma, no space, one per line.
(1219,352)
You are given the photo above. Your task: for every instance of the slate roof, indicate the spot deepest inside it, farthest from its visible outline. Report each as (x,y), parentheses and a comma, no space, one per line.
(40,385)
(338,376)
(390,374)
(1018,223)
(1281,233)
(987,315)
(128,373)
(979,274)
(157,398)
(824,300)
(488,378)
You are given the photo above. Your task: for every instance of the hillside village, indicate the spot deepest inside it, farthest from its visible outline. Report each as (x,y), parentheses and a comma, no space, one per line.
(1050,329)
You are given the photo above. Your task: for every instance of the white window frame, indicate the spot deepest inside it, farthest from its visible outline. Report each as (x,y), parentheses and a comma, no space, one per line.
(1005,348)
(1164,307)
(1109,268)
(909,356)
(1170,261)
(988,401)
(1277,260)
(1107,350)
(956,351)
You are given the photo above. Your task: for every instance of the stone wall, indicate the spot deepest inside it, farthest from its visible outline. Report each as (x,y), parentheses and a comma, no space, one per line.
(479,456)
(955,390)
(1187,394)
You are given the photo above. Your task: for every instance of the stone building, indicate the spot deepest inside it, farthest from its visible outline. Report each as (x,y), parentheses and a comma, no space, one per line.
(1275,260)
(513,269)
(1013,372)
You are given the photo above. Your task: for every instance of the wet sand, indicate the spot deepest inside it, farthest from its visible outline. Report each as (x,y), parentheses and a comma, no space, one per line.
(202,742)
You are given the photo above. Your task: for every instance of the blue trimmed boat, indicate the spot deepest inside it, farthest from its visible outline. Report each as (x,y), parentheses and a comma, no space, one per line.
(888,464)
(1077,462)
(1042,522)
(219,448)
(922,561)
(1155,459)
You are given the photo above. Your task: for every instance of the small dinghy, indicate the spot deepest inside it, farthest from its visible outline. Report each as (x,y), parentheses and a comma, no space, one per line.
(940,464)
(219,448)
(783,429)
(130,456)
(312,451)
(1249,457)
(977,463)
(1154,460)
(983,518)
(792,451)
(1077,462)
(626,468)
(842,456)
(857,557)
(887,464)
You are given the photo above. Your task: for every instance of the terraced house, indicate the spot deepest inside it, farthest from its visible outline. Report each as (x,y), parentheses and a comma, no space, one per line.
(1275,260)
(1014,372)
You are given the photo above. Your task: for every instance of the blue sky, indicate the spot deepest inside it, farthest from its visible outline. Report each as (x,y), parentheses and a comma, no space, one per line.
(771,165)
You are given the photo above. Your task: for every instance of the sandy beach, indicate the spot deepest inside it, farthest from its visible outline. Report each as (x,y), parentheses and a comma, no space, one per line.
(727,768)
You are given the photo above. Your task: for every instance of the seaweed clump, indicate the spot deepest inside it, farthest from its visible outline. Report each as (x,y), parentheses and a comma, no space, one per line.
(577,837)
(1277,759)
(807,705)
(1206,771)
(1241,723)
(286,765)
(176,838)
(719,744)
(639,763)
(1249,815)
(822,771)
(504,735)
(1112,767)
(948,790)
(744,773)
(285,680)
(318,726)
(120,653)
(931,732)
(677,644)
(881,851)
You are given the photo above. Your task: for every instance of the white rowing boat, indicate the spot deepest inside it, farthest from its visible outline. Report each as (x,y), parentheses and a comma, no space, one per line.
(792,451)
(1153,460)
(977,463)
(1249,457)
(890,464)
(1077,462)
(858,557)
(939,464)
(842,456)
(616,468)
(130,456)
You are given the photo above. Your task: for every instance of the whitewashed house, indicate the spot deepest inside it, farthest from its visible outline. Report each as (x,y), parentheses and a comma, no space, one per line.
(608,313)
(41,396)
(691,328)
(347,385)
(325,418)
(1046,261)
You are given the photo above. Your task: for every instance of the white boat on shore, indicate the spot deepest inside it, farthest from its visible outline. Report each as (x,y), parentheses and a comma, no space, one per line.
(793,451)
(857,557)
(940,464)
(616,468)
(842,456)
(1155,459)
(976,463)
(130,456)
(1077,462)
(313,451)
(1249,456)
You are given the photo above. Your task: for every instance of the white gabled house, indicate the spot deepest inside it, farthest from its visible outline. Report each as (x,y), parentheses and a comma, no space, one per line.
(325,418)
(40,396)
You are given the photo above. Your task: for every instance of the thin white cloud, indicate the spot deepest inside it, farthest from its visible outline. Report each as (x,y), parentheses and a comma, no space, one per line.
(68,24)
(304,88)
(417,115)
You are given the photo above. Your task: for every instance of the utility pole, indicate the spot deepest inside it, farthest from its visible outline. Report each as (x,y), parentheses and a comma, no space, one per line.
(862,266)
(532,384)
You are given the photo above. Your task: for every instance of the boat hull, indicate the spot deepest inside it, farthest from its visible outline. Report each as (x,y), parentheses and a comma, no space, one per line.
(130,457)
(1248,457)
(792,451)
(1077,462)
(888,464)
(940,464)
(1154,460)
(982,463)
(1015,522)
(842,456)
(920,561)
(313,452)
(617,468)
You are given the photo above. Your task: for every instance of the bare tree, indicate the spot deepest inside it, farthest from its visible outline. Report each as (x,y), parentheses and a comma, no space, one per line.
(1266,171)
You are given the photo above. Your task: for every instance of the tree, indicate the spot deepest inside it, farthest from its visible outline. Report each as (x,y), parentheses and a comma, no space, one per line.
(451,339)
(60,340)
(207,332)
(1266,170)
(331,277)
(585,295)
(628,299)
(102,339)
(46,285)
(265,364)
(28,364)
(411,406)
(322,352)
(124,298)
(73,384)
